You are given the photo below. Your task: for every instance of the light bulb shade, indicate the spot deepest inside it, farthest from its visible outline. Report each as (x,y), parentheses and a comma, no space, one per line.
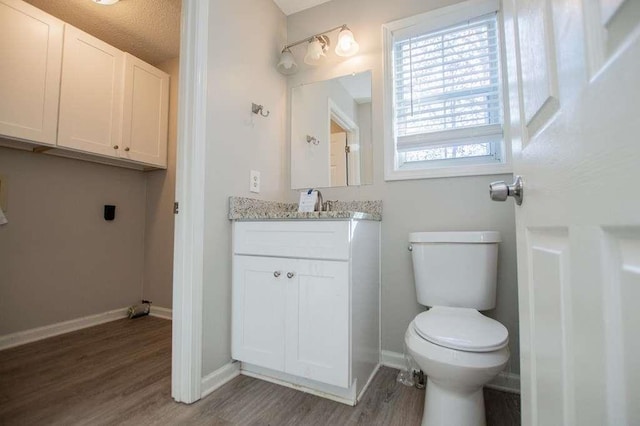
(314,52)
(106,2)
(287,64)
(347,45)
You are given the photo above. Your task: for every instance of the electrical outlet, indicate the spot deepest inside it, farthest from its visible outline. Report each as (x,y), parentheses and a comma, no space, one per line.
(254,181)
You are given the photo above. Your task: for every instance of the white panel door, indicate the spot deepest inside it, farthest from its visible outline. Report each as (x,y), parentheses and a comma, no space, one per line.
(90,94)
(258,302)
(31,46)
(338,159)
(574,70)
(317,321)
(145,113)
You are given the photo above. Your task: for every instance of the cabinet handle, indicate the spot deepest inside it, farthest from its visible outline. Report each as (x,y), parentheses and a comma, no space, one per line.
(126,149)
(277,274)
(290,274)
(115,147)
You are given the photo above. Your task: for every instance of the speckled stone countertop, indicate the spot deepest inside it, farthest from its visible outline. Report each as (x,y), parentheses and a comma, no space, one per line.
(241,208)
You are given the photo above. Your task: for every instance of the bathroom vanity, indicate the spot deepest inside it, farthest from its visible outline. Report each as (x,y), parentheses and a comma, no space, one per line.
(306,295)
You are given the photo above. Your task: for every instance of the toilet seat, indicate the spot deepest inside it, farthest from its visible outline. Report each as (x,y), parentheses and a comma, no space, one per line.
(462,329)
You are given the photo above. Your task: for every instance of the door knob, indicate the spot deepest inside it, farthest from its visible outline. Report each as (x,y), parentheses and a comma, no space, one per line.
(500,191)
(290,274)
(276,274)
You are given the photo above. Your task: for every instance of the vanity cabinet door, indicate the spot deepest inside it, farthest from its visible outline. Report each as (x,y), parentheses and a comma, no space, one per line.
(259,285)
(90,95)
(317,321)
(31,46)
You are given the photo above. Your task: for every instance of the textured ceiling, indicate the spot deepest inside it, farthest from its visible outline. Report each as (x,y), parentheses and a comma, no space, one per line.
(148,29)
(289,7)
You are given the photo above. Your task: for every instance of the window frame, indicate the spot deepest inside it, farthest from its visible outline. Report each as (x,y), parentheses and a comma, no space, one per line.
(395,168)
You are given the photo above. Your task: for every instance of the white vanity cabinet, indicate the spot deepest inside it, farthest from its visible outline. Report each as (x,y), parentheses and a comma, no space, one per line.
(31,46)
(259,300)
(306,303)
(317,321)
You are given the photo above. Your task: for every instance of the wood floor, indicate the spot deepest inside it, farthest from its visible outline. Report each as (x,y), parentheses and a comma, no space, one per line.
(119,374)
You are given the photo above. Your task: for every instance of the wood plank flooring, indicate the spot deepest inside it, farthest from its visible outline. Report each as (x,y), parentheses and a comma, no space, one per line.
(119,373)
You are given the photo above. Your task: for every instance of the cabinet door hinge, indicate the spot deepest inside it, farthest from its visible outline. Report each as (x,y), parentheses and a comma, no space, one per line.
(176,207)
(347,149)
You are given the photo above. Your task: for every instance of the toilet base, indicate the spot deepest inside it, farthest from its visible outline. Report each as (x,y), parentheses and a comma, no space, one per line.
(443,407)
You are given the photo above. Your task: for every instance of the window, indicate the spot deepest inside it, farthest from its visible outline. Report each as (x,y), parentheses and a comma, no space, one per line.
(443,72)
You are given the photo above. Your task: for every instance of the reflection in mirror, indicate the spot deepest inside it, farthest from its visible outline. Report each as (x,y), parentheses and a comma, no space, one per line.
(331,133)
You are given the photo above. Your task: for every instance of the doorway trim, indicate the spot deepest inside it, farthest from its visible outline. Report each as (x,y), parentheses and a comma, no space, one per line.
(188,258)
(353,140)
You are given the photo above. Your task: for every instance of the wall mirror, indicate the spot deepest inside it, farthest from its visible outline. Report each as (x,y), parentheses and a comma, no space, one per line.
(331,133)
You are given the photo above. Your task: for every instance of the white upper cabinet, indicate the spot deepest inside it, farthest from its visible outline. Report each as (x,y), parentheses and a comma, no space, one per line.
(62,87)
(31,46)
(112,103)
(90,95)
(145,113)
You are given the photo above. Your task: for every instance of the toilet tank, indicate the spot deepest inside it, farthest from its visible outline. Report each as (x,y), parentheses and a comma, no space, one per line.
(456,269)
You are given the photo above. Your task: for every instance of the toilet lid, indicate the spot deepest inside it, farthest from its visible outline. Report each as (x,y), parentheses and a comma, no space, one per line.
(461,328)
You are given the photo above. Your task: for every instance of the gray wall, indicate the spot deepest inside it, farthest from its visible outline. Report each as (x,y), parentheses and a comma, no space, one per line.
(366,144)
(161,187)
(244,42)
(59,258)
(414,205)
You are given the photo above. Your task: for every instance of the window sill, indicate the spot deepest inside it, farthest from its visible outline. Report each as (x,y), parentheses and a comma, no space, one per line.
(447,172)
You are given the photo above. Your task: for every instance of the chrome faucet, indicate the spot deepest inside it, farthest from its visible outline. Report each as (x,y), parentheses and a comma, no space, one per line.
(320,203)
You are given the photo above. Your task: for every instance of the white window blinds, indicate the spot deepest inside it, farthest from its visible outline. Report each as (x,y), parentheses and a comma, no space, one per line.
(447,91)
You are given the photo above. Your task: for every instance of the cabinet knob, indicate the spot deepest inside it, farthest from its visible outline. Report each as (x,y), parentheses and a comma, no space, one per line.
(290,274)
(277,274)
(126,149)
(115,147)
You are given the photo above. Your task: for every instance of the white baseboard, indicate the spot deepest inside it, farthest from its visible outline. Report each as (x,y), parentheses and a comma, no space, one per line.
(27,336)
(334,393)
(160,312)
(366,385)
(393,360)
(219,377)
(506,382)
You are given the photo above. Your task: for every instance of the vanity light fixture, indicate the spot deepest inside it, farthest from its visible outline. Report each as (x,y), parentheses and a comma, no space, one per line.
(287,64)
(316,50)
(317,47)
(347,45)
(106,2)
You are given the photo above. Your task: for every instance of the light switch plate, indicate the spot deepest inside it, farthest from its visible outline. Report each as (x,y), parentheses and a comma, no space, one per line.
(254,181)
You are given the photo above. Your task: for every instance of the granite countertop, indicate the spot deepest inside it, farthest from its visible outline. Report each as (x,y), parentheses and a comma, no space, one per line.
(241,208)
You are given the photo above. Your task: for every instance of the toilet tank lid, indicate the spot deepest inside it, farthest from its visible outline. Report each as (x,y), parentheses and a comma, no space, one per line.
(477,237)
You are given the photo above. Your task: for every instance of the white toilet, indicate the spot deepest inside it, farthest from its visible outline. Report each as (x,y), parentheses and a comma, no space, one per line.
(457,347)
